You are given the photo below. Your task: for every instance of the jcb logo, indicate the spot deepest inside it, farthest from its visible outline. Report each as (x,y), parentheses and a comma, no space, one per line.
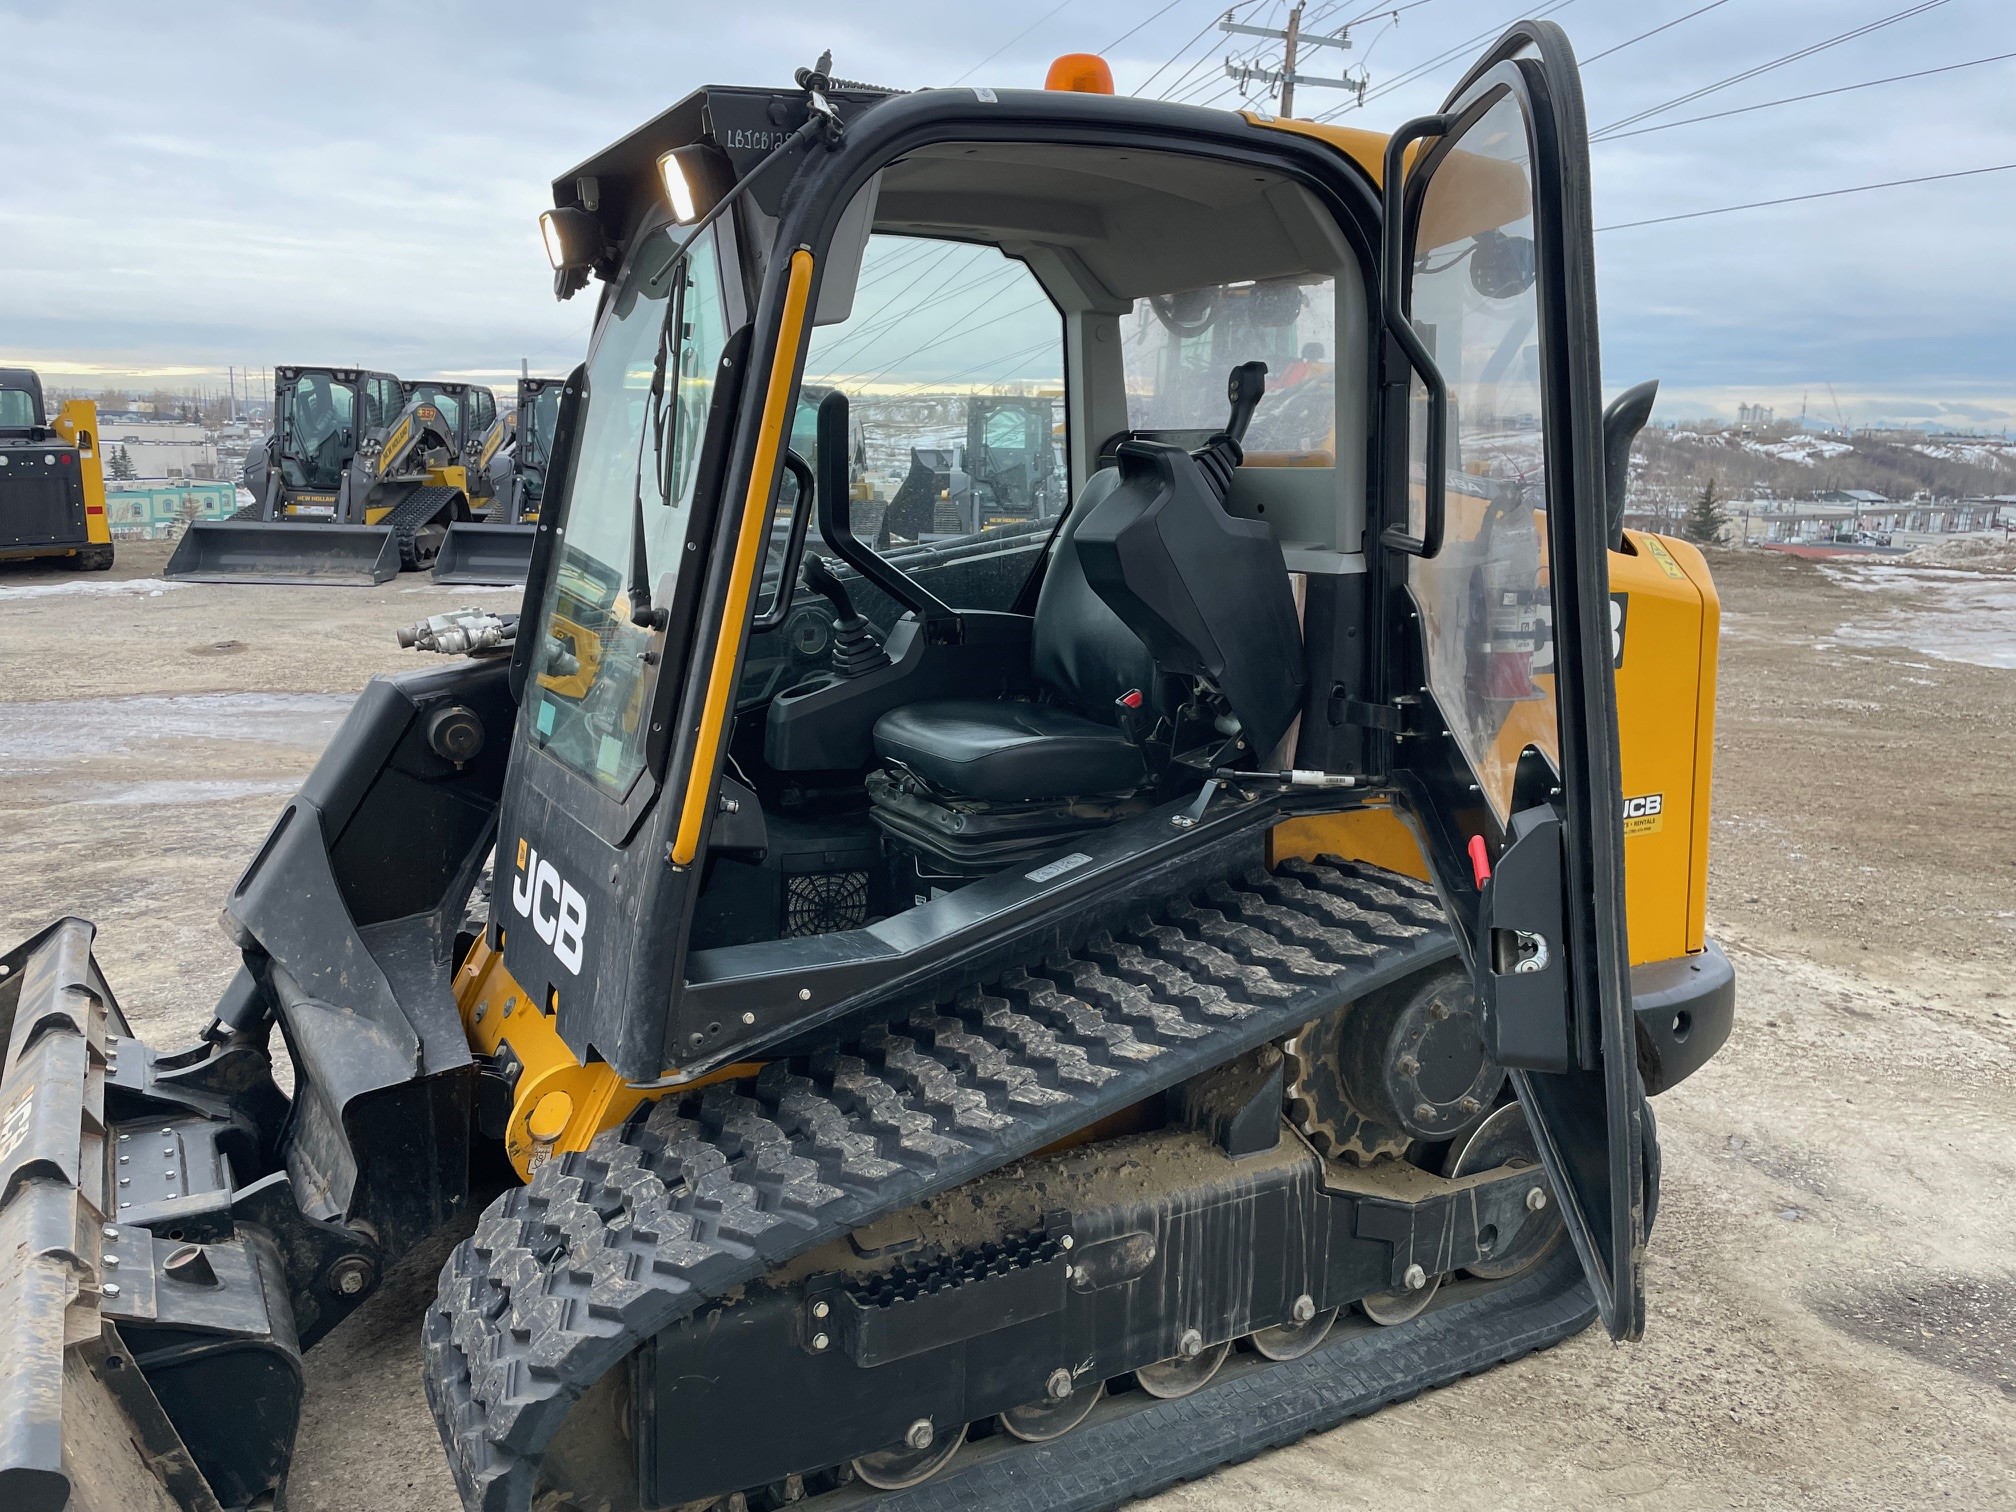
(1644,816)
(558,912)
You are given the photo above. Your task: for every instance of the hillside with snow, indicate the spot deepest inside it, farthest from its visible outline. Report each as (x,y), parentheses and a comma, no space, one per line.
(1786,463)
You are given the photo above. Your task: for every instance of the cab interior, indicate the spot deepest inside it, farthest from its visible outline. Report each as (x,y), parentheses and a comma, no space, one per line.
(933,698)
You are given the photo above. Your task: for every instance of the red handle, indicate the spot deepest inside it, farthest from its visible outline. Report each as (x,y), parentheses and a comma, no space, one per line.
(1480,861)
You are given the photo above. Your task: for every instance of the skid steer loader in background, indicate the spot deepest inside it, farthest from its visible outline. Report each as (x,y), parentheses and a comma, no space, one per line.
(1163,990)
(52,479)
(496,547)
(358,483)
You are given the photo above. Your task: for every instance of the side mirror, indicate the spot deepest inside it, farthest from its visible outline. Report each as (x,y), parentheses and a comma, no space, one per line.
(1623,418)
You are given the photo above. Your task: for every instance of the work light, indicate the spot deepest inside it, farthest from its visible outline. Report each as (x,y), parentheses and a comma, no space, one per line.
(694,180)
(573,238)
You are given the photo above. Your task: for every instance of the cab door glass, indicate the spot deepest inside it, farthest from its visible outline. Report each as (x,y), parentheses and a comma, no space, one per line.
(318,415)
(1484,598)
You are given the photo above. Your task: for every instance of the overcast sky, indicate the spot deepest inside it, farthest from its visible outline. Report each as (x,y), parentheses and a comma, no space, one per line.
(195,186)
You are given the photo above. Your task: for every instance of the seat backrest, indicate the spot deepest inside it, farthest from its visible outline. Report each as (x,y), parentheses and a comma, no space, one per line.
(1080,650)
(1207,593)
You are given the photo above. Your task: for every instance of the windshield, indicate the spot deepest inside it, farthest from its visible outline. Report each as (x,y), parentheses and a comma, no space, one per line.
(316,438)
(588,665)
(17,409)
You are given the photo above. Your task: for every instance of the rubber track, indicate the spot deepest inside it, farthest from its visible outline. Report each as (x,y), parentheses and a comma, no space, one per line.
(567,1275)
(419,507)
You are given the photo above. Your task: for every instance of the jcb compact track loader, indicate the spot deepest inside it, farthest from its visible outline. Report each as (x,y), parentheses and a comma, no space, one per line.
(358,483)
(52,479)
(514,453)
(1096,1021)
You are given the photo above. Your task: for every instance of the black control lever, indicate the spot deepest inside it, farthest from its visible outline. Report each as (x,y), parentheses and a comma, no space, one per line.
(819,578)
(857,650)
(1244,389)
(1221,455)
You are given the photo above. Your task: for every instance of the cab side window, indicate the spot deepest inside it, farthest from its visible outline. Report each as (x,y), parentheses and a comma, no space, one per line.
(952,361)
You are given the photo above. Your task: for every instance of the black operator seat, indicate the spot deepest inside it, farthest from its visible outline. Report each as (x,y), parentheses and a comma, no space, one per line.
(1085,660)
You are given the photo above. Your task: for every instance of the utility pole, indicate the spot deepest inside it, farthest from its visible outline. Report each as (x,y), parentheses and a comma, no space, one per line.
(1288,59)
(1292,39)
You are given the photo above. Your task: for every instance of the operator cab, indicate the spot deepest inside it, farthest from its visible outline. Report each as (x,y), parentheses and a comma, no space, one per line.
(1094,598)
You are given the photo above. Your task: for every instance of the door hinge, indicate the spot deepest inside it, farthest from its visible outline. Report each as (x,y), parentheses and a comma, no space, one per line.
(1396,717)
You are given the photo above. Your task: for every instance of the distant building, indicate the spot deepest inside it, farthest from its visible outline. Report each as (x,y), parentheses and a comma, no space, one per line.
(1929,517)
(1862,498)
(1753,414)
(151,511)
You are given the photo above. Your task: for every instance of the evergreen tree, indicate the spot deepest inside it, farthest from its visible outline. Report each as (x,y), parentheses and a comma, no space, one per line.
(122,466)
(1705,520)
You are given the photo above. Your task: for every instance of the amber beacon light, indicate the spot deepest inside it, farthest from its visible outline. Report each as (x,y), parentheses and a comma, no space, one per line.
(1080,73)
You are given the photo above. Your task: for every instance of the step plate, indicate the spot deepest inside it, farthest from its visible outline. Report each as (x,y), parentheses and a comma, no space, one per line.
(568,1275)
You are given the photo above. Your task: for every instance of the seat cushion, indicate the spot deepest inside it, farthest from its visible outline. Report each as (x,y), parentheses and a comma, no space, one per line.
(1005,752)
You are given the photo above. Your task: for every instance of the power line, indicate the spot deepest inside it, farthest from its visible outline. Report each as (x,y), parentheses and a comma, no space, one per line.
(1461,50)
(1179,53)
(1794,56)
(1598,57)
(1061,4)
(1789,199)
(1139,24)
(1923,73)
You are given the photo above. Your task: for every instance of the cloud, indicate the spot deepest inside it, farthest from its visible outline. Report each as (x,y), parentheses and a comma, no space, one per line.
(254,185)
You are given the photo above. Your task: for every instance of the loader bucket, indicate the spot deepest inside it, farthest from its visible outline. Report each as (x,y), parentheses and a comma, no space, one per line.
(476,551)
(279,551)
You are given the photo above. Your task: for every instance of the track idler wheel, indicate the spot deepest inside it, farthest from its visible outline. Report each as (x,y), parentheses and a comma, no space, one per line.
(1405,1302)
(1186,1371)
(1295,1338)
(1054,1415)
(923,1452)
(1504,1139)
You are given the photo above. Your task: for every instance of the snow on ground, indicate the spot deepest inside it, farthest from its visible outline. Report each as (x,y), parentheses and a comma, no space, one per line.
(131,587)
(1799,448)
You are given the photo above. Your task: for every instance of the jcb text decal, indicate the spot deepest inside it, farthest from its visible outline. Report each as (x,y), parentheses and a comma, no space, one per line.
(557,910)
(1644,816)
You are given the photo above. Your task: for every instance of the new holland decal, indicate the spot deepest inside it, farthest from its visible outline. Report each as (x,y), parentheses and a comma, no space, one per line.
(558,912)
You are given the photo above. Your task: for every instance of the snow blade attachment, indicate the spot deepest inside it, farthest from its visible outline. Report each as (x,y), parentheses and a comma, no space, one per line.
(478,551)
(55,1018)
(274,551)
(140,1368)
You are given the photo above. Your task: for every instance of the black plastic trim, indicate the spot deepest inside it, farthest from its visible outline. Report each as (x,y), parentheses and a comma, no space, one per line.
(1685,1009)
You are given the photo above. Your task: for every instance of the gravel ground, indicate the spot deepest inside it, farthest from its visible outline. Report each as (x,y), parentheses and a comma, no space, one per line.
(1833,1299)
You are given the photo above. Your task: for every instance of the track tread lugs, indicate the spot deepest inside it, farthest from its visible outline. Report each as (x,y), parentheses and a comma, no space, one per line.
(604,1247)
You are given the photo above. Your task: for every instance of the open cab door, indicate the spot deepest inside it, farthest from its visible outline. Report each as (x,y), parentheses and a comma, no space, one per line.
(1494,574)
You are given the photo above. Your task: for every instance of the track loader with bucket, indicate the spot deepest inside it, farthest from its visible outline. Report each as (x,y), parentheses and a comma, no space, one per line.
(496,547)
(1012,1026)
(358,483)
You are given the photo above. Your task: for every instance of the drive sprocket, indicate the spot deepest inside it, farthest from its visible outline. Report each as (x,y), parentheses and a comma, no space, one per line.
(1401,1066)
